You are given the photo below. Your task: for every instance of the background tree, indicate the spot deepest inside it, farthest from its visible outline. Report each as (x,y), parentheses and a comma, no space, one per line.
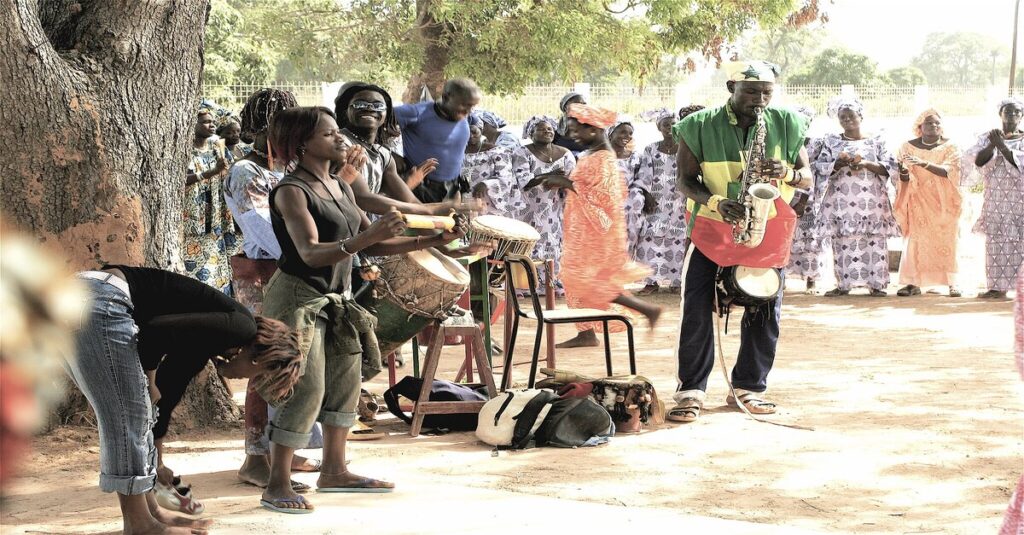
(99,109)
(506,45)
(905,76)
(962,58)
(837,66)
(789,47)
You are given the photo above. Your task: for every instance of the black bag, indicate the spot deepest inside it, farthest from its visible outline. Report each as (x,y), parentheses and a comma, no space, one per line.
(409,387)
(573,422)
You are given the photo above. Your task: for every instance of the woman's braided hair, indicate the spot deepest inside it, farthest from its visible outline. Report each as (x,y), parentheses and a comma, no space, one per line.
(261,106)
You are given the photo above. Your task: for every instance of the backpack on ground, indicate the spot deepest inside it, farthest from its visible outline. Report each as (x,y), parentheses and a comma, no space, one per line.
(409,387)
(510,419)
(575,422)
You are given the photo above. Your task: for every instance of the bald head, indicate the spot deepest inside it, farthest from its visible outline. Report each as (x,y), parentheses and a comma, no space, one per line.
(459,97)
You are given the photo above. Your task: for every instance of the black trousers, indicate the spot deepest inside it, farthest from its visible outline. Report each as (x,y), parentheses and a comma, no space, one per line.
(430,191)
(759,333)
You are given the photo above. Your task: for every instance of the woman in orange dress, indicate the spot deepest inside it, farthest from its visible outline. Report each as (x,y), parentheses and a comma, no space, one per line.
(928,207)
(596,266)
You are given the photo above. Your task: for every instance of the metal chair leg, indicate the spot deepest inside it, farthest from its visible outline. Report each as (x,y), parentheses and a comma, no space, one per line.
(632,348)
(607,349)
(536,354)
(506,370)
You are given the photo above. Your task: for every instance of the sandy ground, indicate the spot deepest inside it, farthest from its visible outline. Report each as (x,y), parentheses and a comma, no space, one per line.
(914,404)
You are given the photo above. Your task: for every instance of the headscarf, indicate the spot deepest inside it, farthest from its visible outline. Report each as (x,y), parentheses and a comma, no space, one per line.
(838,104)
(560,127)
(751,71)
(924,115)
(619,121)
(491,118)
(1015,100)
(655,115)
(532,122)
(592,115)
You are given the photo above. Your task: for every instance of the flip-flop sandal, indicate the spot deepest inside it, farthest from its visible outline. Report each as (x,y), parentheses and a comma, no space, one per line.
(687,410)
(169,498)
(297,486)
(754,403)
(362,485)
(275,505)
(317,463)
(363,432)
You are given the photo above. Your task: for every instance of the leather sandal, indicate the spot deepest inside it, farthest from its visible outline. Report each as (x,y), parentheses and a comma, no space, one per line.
(875,292)
(752,401)
(992,294)
(837,292)
(955,292)
(686,410)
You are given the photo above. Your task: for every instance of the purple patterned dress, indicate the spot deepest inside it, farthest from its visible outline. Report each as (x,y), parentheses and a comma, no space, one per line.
(634,200)
(543,209)
(856,212)
(661,241)
(1002,210)
(806,259)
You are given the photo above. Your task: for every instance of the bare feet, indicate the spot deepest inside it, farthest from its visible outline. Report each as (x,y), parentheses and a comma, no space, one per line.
(583,339)
(351,482)
(255,470)
(173,520)
(157,528)
(302,464)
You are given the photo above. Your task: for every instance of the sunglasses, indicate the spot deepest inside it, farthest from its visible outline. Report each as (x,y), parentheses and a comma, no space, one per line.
(360,105)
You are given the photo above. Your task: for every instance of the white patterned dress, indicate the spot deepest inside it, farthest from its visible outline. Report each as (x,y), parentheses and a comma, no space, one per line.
(634,200)
(661,243)
(493,168)
(806,257)
(543,209)
(856,211)
(1002,210)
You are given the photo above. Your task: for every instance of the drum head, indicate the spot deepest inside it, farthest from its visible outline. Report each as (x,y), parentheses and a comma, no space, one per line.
(437,264)
(504,227)
(758,282)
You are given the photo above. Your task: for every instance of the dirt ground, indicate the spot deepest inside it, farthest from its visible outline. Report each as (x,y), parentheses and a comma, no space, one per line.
(914,404)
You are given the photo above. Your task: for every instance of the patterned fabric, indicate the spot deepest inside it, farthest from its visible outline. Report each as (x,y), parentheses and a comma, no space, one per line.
(809,241)
(543,209)
(855,211)
(928,211)
(493,168)
(209,235)
(596,267)
(507,140)
(239,151)
(718,143)
(844,103)
(660,243)
(1002,210)
(634,200)
(592,115)
(247,195)
(1013,520)
(532,122)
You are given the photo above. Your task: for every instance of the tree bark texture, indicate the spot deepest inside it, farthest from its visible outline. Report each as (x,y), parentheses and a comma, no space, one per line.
(98,107)
(436,55)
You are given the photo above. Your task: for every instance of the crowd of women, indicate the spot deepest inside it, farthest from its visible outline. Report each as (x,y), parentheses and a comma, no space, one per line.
(285,205)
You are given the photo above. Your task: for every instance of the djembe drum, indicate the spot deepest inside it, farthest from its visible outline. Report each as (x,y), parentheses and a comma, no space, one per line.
(512,237)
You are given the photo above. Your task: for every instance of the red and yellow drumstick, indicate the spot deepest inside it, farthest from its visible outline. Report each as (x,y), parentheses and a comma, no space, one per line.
(429,222)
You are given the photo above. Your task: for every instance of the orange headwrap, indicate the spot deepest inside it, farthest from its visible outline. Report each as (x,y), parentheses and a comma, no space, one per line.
(592,115)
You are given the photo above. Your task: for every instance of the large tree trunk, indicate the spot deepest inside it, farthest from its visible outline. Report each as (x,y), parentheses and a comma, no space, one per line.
(435,55)
(99,109)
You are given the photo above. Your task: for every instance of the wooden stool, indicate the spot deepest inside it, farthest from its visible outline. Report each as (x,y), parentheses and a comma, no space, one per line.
(470,331)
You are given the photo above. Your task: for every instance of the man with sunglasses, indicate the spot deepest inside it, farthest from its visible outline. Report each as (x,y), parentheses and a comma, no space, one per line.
(439,130)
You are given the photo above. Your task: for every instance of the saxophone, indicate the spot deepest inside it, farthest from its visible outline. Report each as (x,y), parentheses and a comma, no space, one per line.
(756,192)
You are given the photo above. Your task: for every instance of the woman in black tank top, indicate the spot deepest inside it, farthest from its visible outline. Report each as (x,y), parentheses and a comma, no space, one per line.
(320,228)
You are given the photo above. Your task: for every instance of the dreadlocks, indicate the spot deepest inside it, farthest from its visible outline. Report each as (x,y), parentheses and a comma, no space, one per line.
(388,129)
(687,110)
(261,106)
(277,354)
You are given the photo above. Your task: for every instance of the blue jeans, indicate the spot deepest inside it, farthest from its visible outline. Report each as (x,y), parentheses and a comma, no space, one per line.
(108,372)
(759,333)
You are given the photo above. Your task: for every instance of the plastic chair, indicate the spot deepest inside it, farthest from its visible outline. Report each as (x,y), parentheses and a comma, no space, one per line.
(553,317)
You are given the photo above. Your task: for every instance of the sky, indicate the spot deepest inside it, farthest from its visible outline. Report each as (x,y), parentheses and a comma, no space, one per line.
(891,32)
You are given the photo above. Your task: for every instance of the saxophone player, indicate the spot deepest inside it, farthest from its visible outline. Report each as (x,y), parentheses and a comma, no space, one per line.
(711,158)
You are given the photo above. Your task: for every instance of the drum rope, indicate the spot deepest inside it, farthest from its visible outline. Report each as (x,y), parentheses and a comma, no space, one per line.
(406,304)
(728,380)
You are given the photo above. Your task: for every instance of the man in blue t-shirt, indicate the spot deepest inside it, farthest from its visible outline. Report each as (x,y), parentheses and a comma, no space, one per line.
(439,130)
